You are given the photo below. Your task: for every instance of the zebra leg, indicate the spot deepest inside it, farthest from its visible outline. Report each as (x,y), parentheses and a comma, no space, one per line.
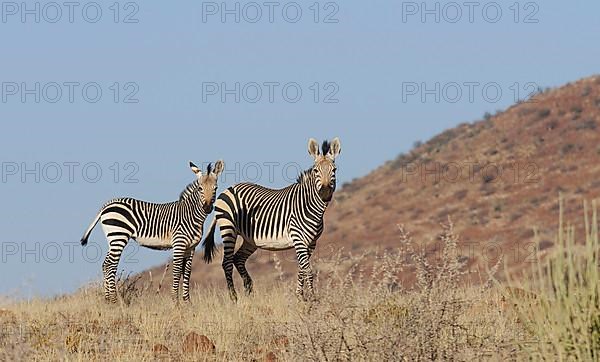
(109,268)
(239,260)
(300,285)
(304,272)
(309,275)
(179,253)
(229,236)
(186,276)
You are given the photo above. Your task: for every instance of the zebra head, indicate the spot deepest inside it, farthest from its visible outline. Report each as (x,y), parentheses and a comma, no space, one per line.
(324,167)
(207,183)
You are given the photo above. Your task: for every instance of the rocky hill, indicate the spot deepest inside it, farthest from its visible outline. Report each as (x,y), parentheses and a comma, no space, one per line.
(498,179)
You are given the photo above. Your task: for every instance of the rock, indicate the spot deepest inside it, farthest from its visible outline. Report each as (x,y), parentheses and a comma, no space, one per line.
(160,350)
(195,342)
(271,357)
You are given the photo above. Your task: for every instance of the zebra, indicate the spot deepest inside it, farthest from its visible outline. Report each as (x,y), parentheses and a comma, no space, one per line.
(274,220)
(176,225)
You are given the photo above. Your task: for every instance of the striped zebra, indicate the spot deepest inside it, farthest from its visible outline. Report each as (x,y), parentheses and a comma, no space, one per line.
(175,225)
(268,219)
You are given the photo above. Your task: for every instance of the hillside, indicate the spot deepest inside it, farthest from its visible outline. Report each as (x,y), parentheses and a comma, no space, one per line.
(546,146)
(376,300)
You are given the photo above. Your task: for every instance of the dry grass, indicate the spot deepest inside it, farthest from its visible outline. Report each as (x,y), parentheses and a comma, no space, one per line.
(563,318)
(359,315)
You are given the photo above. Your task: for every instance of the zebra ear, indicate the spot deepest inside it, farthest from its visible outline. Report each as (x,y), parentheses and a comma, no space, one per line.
(219,166)
(335,148)
(313,147)
(195,169)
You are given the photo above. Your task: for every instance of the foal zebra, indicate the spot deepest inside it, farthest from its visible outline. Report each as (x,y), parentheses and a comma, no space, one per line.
(291,217)
(177,225)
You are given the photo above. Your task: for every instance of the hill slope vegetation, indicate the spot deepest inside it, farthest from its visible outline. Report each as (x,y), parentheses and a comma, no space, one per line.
(498,179)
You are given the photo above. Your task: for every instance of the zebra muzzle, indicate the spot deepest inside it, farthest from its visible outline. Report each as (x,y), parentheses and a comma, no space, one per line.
(326,193)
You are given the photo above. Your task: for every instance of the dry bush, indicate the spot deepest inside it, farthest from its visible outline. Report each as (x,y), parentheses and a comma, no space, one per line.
(372,318)
(131,287)
(563,320)
(364,312)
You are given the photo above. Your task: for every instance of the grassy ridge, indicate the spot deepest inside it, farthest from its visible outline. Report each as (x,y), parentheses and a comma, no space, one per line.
(359,315)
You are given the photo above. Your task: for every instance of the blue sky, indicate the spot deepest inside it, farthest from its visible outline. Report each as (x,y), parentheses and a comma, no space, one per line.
(172,59)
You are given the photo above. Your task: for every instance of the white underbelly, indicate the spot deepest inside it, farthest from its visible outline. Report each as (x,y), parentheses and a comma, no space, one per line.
(155,242)
(282,243)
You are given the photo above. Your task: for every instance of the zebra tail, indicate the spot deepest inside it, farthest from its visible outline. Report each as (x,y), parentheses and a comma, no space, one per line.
(209,243)
(84,239)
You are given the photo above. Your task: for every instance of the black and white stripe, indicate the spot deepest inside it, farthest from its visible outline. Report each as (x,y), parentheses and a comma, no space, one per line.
(268,219)
(175,225)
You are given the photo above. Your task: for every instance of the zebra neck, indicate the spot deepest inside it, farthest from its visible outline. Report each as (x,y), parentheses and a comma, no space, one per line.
(193,206)
(312,198)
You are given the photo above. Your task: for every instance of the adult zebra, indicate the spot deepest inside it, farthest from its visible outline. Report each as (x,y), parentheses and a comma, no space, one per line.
(175,225)
(291,217)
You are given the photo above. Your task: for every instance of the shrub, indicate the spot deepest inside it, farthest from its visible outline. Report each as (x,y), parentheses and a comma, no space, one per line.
(461,194)
(589,124)
(402,160)
(552,125)
(130,288)
(565,319)
(543,113)
(566,149)
(488,178)
(443,139)
(352,186)
(586,91)
(378,317)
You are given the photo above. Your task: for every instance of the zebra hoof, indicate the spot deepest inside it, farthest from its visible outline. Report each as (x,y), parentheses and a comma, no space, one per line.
(233,297)
(310,297)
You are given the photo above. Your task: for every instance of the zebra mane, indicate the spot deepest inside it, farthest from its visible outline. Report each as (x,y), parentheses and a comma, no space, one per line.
(303,176)
(189,189)
(325,147)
